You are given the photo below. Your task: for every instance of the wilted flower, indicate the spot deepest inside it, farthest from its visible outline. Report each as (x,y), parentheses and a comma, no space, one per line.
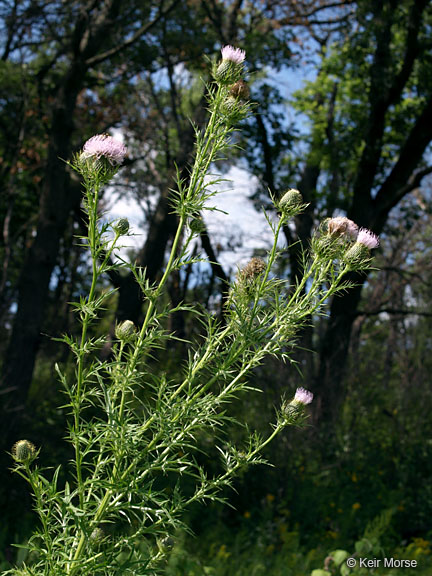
(302,396)
(333,235)
(252,270)
(236,55)
(342,226)
(367,238)
(240,90)
(104,146)
(23,451)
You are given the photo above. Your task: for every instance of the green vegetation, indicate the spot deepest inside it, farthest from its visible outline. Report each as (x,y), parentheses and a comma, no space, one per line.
(354,138)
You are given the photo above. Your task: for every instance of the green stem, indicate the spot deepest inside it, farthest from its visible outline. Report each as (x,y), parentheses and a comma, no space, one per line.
(248,366)
(197,171)
(92,210)
(195,184)
(222,479)
(271,259)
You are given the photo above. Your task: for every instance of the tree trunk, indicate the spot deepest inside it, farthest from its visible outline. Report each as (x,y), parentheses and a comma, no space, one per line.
(334,352)
(370,210)
(56,203)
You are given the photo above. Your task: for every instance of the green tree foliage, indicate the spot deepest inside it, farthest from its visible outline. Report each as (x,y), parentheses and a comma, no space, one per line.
(369,112)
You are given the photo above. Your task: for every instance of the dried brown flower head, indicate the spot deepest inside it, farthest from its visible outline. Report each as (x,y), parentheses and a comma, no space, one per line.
(252,270)
(342,226)
(240,90)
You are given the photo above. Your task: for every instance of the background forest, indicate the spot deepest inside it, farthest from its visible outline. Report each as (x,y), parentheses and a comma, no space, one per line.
(342,98)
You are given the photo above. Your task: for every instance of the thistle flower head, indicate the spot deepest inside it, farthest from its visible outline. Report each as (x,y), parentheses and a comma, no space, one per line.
(230,68)
(23,451)
(104,146)
(358,255)
(293,412)
(367,238)
(303,396)
(236,55)
(340,226)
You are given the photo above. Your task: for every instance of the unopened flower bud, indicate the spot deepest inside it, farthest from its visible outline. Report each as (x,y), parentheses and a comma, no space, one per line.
(167,542)
(23,451)
(229,105)
(197,225)
(326,246)
(290,199)
(97,535)
(122,226)
(125,330)
(234,109)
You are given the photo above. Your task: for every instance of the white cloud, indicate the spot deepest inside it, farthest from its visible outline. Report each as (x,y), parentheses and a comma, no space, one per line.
(127,207)
(243,222)
(234,235)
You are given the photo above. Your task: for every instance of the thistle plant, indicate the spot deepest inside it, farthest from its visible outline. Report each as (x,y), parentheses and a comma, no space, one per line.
(134,428)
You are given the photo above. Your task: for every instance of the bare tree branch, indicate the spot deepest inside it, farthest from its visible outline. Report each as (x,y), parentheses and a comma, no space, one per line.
(394,188)
(414,182)
(98,58)
(393,311)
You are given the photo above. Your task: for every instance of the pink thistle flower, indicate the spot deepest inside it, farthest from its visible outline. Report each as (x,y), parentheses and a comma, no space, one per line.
(235,55)
(367,238)
(303,396)
(105,146)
